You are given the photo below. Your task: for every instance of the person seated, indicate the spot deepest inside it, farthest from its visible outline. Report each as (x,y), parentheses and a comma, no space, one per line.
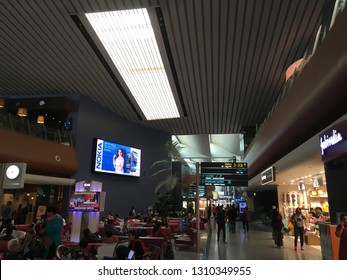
(109,226)
(8,233)
(136,246)
(89,237)
(110,216)
(126,226)
(92,254)
(157,230)
(117,221)
(15,251)
(102,222)
(80,253)
(32,247)
(110,238)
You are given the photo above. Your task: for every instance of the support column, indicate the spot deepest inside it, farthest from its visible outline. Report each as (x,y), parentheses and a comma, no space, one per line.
(197,210)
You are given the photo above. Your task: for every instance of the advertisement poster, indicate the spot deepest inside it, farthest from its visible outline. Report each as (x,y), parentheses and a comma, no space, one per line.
(41,210)
(117,159)
(85,201)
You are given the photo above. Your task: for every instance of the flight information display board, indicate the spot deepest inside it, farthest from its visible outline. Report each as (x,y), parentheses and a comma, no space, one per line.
(224,174)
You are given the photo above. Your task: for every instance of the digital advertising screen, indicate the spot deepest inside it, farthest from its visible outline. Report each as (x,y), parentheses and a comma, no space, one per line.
(115,158)
(85,201)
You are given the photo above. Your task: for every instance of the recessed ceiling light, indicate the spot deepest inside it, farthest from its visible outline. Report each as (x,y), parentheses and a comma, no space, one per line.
(129,39)
(321,172)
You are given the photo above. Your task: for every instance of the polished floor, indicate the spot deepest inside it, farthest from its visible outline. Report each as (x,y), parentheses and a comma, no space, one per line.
(257,244)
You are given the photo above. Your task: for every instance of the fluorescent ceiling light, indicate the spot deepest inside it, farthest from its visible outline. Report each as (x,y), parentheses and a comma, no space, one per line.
(129,39)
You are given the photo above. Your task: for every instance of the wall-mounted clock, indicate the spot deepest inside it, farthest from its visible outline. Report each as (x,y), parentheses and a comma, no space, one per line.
(12,172)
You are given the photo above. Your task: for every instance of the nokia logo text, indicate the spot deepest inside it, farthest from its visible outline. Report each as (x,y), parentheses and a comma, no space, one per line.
(99,156)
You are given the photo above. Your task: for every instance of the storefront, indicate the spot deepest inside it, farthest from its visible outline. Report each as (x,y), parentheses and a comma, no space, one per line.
(333,145)
(30,202)
(310,194)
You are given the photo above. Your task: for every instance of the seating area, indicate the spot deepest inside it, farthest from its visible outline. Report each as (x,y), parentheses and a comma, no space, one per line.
(188,239)
(155,245)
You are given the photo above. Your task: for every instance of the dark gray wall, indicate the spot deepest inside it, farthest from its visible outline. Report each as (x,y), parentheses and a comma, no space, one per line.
(336,176)
(122,192)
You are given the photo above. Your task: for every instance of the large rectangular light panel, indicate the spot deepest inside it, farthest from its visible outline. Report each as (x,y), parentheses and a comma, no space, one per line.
(129,39)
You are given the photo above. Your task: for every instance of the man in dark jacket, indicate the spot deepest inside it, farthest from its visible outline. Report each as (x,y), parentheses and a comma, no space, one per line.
(232,216)
(277,225)
(220,219)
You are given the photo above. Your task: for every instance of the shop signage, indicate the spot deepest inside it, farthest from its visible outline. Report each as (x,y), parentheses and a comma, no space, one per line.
(327,141)
(268,176)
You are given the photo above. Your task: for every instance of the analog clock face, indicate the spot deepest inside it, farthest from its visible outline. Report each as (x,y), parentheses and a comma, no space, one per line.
(12,172)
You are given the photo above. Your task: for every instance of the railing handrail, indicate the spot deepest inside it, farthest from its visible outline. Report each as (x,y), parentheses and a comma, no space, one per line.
(22,125)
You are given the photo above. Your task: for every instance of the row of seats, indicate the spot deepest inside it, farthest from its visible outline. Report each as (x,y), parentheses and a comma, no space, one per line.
(107,250)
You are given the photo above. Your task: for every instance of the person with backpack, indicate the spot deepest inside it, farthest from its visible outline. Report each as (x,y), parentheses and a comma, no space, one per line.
(136,246)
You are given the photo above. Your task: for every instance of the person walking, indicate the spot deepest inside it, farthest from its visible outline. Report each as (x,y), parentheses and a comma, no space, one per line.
(232,216)
(277,225)
(297,220)
(246,217)
(220,219)
(7,216)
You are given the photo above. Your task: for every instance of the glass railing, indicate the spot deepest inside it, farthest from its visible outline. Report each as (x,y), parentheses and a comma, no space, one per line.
(23,125)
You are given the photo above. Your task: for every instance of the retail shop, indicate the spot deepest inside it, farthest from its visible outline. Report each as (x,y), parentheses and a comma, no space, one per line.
(333,145)
(308,192)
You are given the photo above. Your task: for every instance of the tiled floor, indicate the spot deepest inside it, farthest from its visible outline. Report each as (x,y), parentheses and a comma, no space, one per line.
(257,244)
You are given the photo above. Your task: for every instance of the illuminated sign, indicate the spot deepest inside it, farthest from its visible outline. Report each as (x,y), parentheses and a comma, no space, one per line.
(224,174)
(327,141)
(268,176)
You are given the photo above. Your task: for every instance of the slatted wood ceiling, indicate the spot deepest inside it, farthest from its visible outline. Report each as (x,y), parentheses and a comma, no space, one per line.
(230,56)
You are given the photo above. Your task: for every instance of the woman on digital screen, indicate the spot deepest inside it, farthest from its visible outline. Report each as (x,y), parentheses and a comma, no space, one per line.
(118,161)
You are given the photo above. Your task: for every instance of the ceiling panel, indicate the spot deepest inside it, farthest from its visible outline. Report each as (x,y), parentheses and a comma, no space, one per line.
(230,56)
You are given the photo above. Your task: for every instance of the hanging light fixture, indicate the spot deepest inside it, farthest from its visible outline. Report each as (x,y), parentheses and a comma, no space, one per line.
(40,119)
(129,39)
(22,112)
(2,103)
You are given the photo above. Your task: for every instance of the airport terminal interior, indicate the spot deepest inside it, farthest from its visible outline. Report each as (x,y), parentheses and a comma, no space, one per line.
(173,130)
